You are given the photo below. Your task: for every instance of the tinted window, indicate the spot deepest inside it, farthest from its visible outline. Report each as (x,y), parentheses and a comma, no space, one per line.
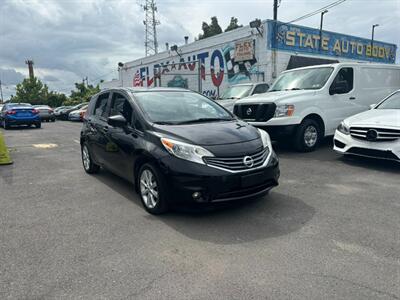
(261,88)
(179,107)
(121,106)
(346,76)
(100,110)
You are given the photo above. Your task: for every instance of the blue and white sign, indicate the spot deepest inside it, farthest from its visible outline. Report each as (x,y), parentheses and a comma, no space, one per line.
(296,38)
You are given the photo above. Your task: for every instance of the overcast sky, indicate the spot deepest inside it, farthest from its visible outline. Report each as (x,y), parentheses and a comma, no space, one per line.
(71,39)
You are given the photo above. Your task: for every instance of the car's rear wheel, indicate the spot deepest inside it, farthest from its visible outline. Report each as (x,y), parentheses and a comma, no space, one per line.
(38,125)
(88,165)
(6,125)
(152,189)
(308,136)
(53,120)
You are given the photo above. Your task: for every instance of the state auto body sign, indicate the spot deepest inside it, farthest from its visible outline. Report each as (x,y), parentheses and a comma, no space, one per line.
(296,38)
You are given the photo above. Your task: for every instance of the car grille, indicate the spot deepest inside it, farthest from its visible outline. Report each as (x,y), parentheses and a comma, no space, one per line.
(237,163)
(373,153)
(375,134)
(255,112)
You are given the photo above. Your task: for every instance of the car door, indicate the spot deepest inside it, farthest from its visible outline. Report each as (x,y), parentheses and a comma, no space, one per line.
(342,103)
(122,143)
(97,123)
(260,88)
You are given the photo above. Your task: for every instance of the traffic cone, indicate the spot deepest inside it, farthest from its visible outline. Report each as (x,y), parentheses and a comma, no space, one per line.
(5,158)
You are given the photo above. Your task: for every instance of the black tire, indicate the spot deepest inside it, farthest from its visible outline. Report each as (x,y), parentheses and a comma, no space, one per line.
(308,135)
(90,167)
(38,125)
(53,120)
(6,125)
(161,204)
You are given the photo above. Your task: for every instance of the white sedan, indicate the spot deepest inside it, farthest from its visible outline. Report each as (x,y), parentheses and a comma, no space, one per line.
(374,133)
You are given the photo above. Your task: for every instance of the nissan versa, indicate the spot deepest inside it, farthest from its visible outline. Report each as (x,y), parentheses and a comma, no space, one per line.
(176,145)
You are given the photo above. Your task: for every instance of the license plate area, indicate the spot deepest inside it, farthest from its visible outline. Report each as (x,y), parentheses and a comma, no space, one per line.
(252,179)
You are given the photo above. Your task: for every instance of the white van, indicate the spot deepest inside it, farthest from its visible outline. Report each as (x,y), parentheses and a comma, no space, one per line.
(306,104)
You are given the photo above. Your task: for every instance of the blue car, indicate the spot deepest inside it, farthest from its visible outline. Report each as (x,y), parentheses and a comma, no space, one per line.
(19,114)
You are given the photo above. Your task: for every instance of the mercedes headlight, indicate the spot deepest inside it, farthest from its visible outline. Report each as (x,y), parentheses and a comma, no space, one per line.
(186,151)
(284,111)
(343,128)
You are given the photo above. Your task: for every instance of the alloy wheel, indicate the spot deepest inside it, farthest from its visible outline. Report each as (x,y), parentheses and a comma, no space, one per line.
(86,158)
(149,188)
(310,136)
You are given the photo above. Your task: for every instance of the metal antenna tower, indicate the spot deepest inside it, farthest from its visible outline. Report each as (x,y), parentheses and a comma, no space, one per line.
(150,23)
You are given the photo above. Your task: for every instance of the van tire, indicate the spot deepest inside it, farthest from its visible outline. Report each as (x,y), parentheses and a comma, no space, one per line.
(307,136)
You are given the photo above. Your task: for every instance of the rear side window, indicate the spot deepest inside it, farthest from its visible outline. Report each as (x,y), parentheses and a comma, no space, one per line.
(100,109)
(345,75)
(121,106)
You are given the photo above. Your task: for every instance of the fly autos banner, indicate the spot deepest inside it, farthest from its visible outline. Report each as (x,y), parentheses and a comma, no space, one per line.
(296,38)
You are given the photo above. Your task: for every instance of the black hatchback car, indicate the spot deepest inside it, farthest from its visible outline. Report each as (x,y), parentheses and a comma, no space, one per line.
(176,145)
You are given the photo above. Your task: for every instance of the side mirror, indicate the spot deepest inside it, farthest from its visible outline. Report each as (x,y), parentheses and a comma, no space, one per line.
(117,121)
(339,87)
(372,106)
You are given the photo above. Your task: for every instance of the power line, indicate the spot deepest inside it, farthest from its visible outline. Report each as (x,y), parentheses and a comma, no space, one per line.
(317,11)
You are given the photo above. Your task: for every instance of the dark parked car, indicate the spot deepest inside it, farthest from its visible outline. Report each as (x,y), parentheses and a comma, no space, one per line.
(46,113)
(176,145)
(64,113)
(15,114)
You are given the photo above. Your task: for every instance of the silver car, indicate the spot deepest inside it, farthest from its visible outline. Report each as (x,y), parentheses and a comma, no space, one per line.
(46,113)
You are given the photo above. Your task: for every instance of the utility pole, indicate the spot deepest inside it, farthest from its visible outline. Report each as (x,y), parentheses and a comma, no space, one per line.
(150,23)
(30,68)
(320,28)
(275,31)
(1,93)
(373,34)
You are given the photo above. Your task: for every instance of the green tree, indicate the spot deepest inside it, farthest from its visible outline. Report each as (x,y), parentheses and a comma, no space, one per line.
(233,24)
(31,90)
(82,93)
(55,99)
(210,29)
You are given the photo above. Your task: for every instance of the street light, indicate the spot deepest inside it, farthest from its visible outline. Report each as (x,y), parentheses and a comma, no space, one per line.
(373,33)
(320,28)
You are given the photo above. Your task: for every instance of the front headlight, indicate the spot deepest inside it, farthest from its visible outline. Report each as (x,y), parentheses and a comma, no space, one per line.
(343,128)
(186,151)
(284,111)
(265,139)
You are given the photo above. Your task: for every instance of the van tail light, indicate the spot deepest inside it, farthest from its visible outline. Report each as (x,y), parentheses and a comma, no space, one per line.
(51,111)
(11,112)
(35,111)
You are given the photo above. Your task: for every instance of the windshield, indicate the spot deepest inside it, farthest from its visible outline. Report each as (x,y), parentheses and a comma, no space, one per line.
(393,102)
(180,107)
(236,92)
(306,79)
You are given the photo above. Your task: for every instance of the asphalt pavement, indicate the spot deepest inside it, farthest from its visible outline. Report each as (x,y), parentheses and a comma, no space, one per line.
(331,230)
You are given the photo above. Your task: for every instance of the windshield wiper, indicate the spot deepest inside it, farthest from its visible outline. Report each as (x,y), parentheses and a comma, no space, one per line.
(204,120)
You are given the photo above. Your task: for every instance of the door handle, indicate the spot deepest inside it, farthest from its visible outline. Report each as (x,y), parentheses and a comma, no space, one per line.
(352,98)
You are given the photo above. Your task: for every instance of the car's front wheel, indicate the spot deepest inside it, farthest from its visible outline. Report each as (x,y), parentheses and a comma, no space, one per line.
(307,136)
(152,189)
(88,165)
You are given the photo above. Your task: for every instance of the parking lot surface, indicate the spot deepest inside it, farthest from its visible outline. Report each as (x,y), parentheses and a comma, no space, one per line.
(331,230)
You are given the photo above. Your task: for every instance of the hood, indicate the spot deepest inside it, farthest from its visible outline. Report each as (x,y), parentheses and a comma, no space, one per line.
(376,117)
(283,97)
(211,133)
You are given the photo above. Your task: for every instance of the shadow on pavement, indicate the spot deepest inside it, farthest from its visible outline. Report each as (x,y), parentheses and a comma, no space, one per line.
(371,163)
(226,223)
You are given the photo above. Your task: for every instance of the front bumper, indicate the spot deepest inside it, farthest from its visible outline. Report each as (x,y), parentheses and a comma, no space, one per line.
(215,185)
(346,144)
